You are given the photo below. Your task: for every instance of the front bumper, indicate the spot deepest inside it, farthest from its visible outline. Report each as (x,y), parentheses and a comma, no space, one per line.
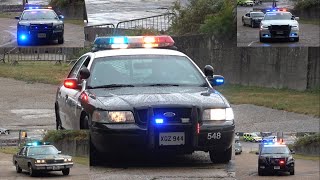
(40,35)
(266,33)
(53,167)
(135,137)
(273,168)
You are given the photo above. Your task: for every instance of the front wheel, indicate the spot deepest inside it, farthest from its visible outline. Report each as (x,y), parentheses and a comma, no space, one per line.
(32,172)
(66,172)
(18,169)
(292,172)
(221,157)
(60,40)
(260,172)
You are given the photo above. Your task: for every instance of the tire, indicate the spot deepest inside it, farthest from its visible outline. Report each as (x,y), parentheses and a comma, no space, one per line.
(60,40)
(95,158)
(260,172)
(84,122)
(66,172)
(221,157)
(243,23)
(58,119)
(262,39)
(32,172)
(296,39)
(252,24)
(18,169)
(292,172)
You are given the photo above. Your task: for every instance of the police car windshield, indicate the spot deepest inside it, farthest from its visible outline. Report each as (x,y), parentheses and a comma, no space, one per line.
(278,16)
(144,70)
(38,15)
(42,150)
(275,150)
(257,14)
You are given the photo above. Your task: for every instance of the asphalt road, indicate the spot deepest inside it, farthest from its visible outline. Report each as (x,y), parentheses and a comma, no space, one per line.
(8,171)
(31,106)
(195,166)
(246,168)
(73,35)
(247,36)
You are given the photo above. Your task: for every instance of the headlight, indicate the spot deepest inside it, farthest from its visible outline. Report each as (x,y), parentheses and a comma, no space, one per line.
(295,27)
(59,26)
(264,27)
(113,116)
(218,114)
(67,160)
(40,161)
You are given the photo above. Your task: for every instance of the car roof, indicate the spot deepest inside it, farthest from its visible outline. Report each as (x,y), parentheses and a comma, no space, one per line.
(137,51)
(40,145)
(276,145)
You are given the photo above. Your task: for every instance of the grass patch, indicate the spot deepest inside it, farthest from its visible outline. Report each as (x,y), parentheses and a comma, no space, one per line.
(306,157)
(10,15)
(55,136)
(9,150)
(303,102)
(310,21)
(81,160)
(40,72)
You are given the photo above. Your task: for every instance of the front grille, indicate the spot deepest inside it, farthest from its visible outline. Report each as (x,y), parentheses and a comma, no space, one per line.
(41,27)
(159,112)
(280,30)
(53,161)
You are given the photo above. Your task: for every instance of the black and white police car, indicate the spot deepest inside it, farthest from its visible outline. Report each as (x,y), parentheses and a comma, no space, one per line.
(38,23)
(279,24)
(139,94)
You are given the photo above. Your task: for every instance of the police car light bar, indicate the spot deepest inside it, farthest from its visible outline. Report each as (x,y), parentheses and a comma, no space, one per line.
(122,42)
(276,9)
(37,143)
(35,6)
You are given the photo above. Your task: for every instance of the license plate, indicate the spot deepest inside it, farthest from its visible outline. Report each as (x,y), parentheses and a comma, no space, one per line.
(56,168)
(42,35)
(276,167)
(279,32)
(171,138)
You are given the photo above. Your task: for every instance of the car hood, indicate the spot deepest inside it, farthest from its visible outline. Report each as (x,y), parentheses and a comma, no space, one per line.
(280,22)
(43,21)
(275,155)
(127,98)
(51,156)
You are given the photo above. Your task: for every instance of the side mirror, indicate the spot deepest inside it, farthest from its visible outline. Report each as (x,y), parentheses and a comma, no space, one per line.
(216,80)
(17,17)
(59,152)
(61,17)
(292,151)
(84,73)
(71,83)
(257,153)
(297,18)
(208,70)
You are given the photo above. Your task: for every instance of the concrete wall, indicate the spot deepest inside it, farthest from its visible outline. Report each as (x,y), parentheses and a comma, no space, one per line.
(11,8)
(293,68)
(73,147)
(72,11)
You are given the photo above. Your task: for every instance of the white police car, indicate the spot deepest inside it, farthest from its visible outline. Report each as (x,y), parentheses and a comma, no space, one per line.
(137,94)
(279,24)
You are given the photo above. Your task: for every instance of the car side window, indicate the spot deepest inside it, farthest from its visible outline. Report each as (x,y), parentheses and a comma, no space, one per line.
(84,64)
(24,152)
(76,67)
(21,151)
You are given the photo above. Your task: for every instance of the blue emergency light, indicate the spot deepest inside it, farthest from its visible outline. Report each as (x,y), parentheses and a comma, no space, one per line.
(159,121)
(23,37)
(219,81)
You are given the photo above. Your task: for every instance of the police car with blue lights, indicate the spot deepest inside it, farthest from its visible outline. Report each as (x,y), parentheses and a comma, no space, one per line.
(38,157)
(139,94)
(275,156)
(279,24)
(39,23)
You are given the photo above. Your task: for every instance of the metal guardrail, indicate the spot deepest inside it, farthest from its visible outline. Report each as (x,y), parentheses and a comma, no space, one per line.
(39,54)
(160,23)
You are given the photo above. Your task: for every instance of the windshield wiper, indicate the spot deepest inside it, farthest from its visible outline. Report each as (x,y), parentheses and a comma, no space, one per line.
(111,86)
(159,84)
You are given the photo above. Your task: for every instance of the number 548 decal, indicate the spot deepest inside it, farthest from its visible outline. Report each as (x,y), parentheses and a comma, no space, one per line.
(214,135)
